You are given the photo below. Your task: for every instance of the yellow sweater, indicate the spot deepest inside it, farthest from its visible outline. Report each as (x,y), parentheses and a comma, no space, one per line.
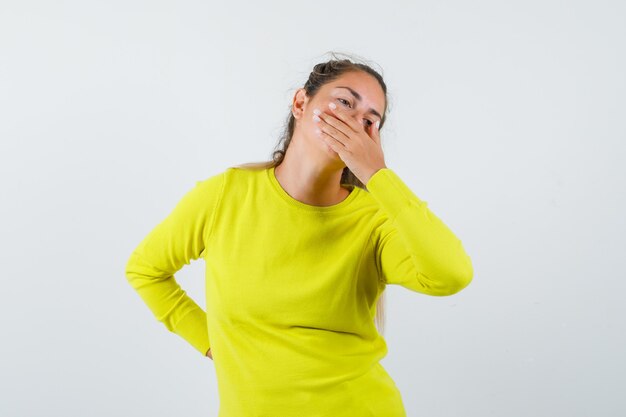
(291,288)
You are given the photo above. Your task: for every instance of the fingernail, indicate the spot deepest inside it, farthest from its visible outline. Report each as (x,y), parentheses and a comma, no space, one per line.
(316,111)
(377,124)
(332,105)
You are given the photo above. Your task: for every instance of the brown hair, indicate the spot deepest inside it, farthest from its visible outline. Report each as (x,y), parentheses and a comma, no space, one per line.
(322,74)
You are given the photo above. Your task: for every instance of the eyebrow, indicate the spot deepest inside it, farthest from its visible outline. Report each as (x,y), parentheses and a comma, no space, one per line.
(358,97)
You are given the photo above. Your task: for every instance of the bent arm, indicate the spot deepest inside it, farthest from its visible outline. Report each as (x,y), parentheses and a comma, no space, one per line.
(173,243)
(414,248)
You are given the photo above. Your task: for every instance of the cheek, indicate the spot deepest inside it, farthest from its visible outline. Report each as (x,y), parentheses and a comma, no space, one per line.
(307,124)
(312,125)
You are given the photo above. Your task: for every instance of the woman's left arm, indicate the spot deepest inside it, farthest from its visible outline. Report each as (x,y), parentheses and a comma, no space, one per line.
(414,248)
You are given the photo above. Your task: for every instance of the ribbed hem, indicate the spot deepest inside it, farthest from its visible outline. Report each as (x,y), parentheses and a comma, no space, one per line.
(193,328)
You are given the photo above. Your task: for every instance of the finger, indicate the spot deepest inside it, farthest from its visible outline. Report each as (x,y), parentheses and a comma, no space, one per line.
(333,143)
(341,115)
(334,133)
(334,126)
(375,131)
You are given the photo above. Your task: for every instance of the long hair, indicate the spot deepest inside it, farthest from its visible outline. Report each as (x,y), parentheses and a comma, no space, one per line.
(322,74)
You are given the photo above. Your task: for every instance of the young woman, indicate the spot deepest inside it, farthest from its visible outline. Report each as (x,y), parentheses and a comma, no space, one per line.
(298,252)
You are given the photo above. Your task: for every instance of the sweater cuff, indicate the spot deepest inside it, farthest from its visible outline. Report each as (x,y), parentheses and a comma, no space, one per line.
(193,328)
(392,194)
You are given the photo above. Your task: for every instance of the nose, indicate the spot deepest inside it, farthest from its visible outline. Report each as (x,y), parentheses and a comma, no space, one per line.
(354,114)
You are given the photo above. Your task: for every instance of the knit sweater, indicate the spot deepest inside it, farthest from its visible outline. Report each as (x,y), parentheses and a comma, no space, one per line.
(291,288)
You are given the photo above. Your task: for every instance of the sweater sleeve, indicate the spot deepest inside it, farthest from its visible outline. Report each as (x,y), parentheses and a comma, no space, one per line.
(413,247)
(173,243)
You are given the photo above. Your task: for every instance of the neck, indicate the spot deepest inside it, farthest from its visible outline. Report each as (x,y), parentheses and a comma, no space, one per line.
(309,180)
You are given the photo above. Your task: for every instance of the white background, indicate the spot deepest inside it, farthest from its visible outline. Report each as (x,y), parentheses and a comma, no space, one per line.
(508,118)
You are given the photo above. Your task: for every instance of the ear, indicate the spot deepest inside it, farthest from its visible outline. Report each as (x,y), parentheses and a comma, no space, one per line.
(299,103)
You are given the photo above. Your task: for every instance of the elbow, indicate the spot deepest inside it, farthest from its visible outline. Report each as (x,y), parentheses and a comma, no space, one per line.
(128,273)
(460,283)
(131,270)
(461,273)
(461,279)
(446,281)
(456,281)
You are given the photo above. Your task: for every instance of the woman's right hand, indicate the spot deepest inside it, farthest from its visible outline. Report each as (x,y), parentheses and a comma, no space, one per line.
(208,353)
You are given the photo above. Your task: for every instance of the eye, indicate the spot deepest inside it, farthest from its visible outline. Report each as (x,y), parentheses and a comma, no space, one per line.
(344,100)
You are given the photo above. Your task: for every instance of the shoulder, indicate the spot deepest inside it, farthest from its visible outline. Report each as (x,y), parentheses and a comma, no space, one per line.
(249,173)
(212,184)
(229,174)
(233,180)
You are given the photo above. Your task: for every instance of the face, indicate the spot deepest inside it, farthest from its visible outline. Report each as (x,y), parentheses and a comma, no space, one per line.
(357,93)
